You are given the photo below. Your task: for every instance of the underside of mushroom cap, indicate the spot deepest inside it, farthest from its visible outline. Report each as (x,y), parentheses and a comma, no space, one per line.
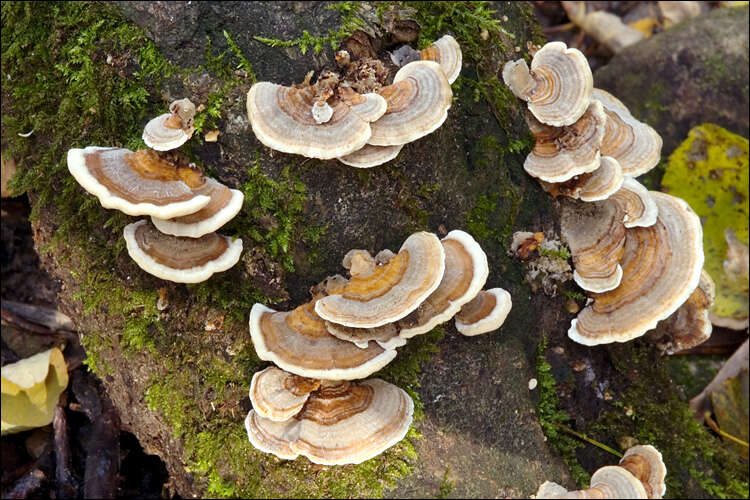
(178,259)
(639,208)
(278,395)
(137,183)
(634,144)
(388,292)
(484,313)
(371,156)
(595,235)
(298,342)
(281,118)
(558,87)
(418,103)
(661,267)
(447,52)
(561,153)
(646,464)
(344,423)
(224,205)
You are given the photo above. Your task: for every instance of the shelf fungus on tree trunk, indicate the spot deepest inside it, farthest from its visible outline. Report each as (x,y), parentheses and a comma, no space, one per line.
(661,266)
(180,259)
(484,313)
(557,88)
(338,422)
(137,183)
(639,208)
(640,474)
(171,130)
(594,186)
(447,52)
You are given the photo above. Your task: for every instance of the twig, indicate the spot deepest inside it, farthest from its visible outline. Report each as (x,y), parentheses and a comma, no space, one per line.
(30,327)
(27,486)
(713,425)
(66,487)
(589,440)
(559,27)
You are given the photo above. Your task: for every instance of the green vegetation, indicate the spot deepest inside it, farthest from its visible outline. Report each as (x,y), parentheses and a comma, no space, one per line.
(559,253)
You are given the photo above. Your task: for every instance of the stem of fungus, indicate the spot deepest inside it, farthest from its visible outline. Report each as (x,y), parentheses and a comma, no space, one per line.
(715,427)
(589,440)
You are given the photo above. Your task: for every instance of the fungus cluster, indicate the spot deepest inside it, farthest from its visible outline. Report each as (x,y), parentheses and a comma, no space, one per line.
(351,329)
(638,253)
(330,119)
(179,243)
(640,474)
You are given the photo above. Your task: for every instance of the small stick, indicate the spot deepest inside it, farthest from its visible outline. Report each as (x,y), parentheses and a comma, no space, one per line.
(27,486)
(589,440)
(66,487)
(713,425)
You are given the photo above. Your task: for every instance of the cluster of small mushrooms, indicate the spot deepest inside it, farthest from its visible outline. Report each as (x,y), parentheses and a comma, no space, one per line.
(311,405)
(640,474)
(363,127)
(638,253)
(186,208)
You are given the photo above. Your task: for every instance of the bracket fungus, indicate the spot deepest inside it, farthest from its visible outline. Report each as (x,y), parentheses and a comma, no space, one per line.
(180,259)
(278,395)
(171,130)
(224,204)
(594,186)
(137,183)
(298,342)
(370,107)
(561,153)
(340,423)
(30,390)
(377,295)
(447,52)
(635,145)
(557,88)
(371,156)
(638,206)
(661,266)
(484,313)
(595,235)
(418,103)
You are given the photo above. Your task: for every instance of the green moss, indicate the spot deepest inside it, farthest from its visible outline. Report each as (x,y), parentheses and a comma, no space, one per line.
(549,414)
(477,218)
(560,253)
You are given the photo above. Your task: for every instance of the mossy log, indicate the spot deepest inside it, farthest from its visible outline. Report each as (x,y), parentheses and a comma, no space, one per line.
(177,360)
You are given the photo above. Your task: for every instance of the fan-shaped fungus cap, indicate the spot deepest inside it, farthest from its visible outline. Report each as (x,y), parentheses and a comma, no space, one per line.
(178,259)
(634,144)
(278,395)
(613,481)
(596,237)
(282,119)
(298,342)
(447,52)
(661,267)
(171,130)
(639,208)
(224,205)
(646,464)
(387,293)
(137,183)
(594,186)
(561,153)
(558,87)
(341,423)
(370,107)
(484,313)
(418,103)
(690,325)
(371,156)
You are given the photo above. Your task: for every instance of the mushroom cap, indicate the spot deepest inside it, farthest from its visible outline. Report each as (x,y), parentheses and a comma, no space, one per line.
(282,119)
(484,313)
(636,202)
(558,87)
(224,205)
(278,395)
(661,267)
(298,342)
(690,325)
(561,153)
(386,336)
(418,103)
(593,186)
(370,107)
(595,235)
(646,464)
(634,144)
(179,259)
(447,52)
(137,183)
(389,292)
(321,112)
(344,423)
(548,489)
(164,133)
(371,156)
(616,482)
